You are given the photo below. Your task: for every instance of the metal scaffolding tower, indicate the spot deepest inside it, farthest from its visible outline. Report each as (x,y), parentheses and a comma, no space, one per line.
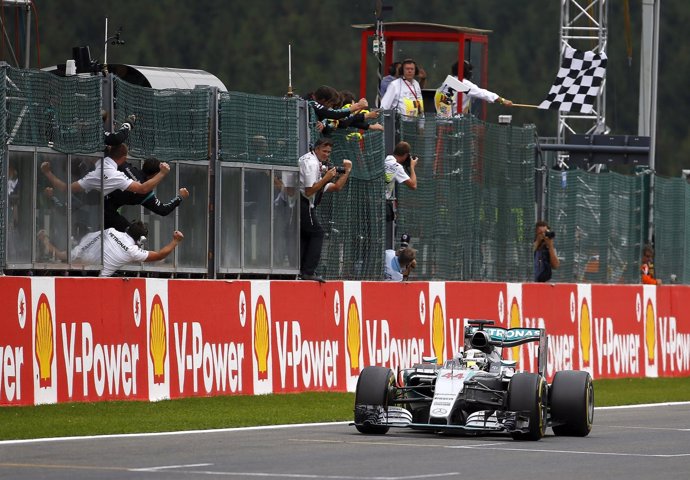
(584,26)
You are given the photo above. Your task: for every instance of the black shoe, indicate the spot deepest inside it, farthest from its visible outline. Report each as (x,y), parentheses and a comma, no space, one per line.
(317,278)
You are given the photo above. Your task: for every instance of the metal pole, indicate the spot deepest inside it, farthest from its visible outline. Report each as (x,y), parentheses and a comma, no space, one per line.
(27,50)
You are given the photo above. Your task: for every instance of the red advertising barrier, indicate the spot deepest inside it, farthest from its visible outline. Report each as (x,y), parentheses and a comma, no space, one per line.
(90,339)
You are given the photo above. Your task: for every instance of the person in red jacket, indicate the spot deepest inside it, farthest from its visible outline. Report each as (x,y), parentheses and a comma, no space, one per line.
(647,268)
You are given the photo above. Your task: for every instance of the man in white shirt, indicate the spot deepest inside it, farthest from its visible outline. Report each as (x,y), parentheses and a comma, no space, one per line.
(312,186)
(113,179)
(404,94)
(119,248)
(394,172)
(446,100)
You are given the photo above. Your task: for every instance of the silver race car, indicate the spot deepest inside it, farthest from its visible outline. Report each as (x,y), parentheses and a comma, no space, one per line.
(477,392)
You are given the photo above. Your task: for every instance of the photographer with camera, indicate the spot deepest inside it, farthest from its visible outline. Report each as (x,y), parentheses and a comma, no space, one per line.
(545,258)
(316,177)
(396,168)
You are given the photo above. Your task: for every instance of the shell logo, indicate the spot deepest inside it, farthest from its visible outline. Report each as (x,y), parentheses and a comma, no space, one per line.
(438,336)
(261,340)
(354,336)
(514,323)
(585,332)
(650,331)
(158,340)
(44,342)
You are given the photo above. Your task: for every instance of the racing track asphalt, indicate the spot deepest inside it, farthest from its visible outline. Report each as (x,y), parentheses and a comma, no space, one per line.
(631,443)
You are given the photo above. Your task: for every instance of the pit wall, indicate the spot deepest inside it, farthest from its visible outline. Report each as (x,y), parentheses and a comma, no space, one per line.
(86,339)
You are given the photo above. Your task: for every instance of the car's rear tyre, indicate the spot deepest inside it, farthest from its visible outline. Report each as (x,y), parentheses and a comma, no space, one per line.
(374,388)
(527,393)
(572,403)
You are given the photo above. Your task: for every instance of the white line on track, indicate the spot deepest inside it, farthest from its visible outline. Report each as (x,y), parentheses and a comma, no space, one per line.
(263,427)
(168,467)
(495,446)
(325,477)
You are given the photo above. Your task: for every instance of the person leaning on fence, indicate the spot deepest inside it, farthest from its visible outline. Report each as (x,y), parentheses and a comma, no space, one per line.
(647,267)
(119,248)
(394,172)
(113,218)
(545,257)
(312,186)
(324,101)
(399,264)
(112,178)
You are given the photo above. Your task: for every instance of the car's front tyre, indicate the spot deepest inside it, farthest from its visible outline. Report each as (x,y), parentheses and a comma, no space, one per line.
(572,403)
(374,389)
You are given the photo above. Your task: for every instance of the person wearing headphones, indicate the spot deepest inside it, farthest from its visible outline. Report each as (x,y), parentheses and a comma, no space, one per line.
(119,248)
(446,99)
(393,74)
(405,94)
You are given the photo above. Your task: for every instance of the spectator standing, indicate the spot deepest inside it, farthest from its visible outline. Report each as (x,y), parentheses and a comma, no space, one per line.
(647,267)
(312,186)
(446,99)
(405,94)
(394,173)
(393,74)
(545,257)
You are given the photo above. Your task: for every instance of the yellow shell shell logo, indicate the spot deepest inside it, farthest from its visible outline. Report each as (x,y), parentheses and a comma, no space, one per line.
(515,323)
(438,336)
(158,340)
(585,332)
(261,338)
(650,331)
(44,342)
(353,336)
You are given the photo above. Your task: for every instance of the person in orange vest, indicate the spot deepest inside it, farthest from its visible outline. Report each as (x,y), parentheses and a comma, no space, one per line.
(647,267)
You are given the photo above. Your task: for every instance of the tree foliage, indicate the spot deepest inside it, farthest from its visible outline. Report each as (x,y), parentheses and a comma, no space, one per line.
(245,44)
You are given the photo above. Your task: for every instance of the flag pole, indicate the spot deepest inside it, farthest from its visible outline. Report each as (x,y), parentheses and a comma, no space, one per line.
(524,105)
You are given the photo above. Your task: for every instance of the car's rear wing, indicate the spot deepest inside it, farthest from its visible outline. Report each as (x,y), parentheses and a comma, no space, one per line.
(511,337)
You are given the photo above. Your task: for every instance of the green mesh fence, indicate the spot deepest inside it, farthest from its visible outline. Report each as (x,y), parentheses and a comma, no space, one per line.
(472,213)
(354,218)
(46,110)
(172,124)
(471,218)
(671,229)
(3,166)
(596,217)
(258,129)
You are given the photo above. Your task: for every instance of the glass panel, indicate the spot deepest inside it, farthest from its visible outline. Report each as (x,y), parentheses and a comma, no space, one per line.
(19,207)
(192,216)
(286,220)
(257,218)
(160,227)
(51,207)
(87,208)
(230,224)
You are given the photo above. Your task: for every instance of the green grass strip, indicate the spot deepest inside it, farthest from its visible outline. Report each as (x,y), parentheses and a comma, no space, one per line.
(100,418)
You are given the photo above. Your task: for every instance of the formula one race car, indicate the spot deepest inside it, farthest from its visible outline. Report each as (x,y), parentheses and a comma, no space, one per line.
(477,392)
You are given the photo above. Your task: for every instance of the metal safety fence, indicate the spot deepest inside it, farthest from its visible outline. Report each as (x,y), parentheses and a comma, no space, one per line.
(471,218)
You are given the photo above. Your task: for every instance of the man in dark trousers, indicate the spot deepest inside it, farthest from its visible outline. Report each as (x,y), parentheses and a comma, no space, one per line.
(113,219)
(312,186)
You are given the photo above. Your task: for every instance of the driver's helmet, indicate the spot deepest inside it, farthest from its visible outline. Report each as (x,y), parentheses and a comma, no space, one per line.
(475,359)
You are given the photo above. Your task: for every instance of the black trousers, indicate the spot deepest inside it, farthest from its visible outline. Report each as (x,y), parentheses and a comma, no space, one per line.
(311,238)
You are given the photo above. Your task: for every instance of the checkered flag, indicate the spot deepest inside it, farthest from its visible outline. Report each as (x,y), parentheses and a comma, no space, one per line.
(577,83)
